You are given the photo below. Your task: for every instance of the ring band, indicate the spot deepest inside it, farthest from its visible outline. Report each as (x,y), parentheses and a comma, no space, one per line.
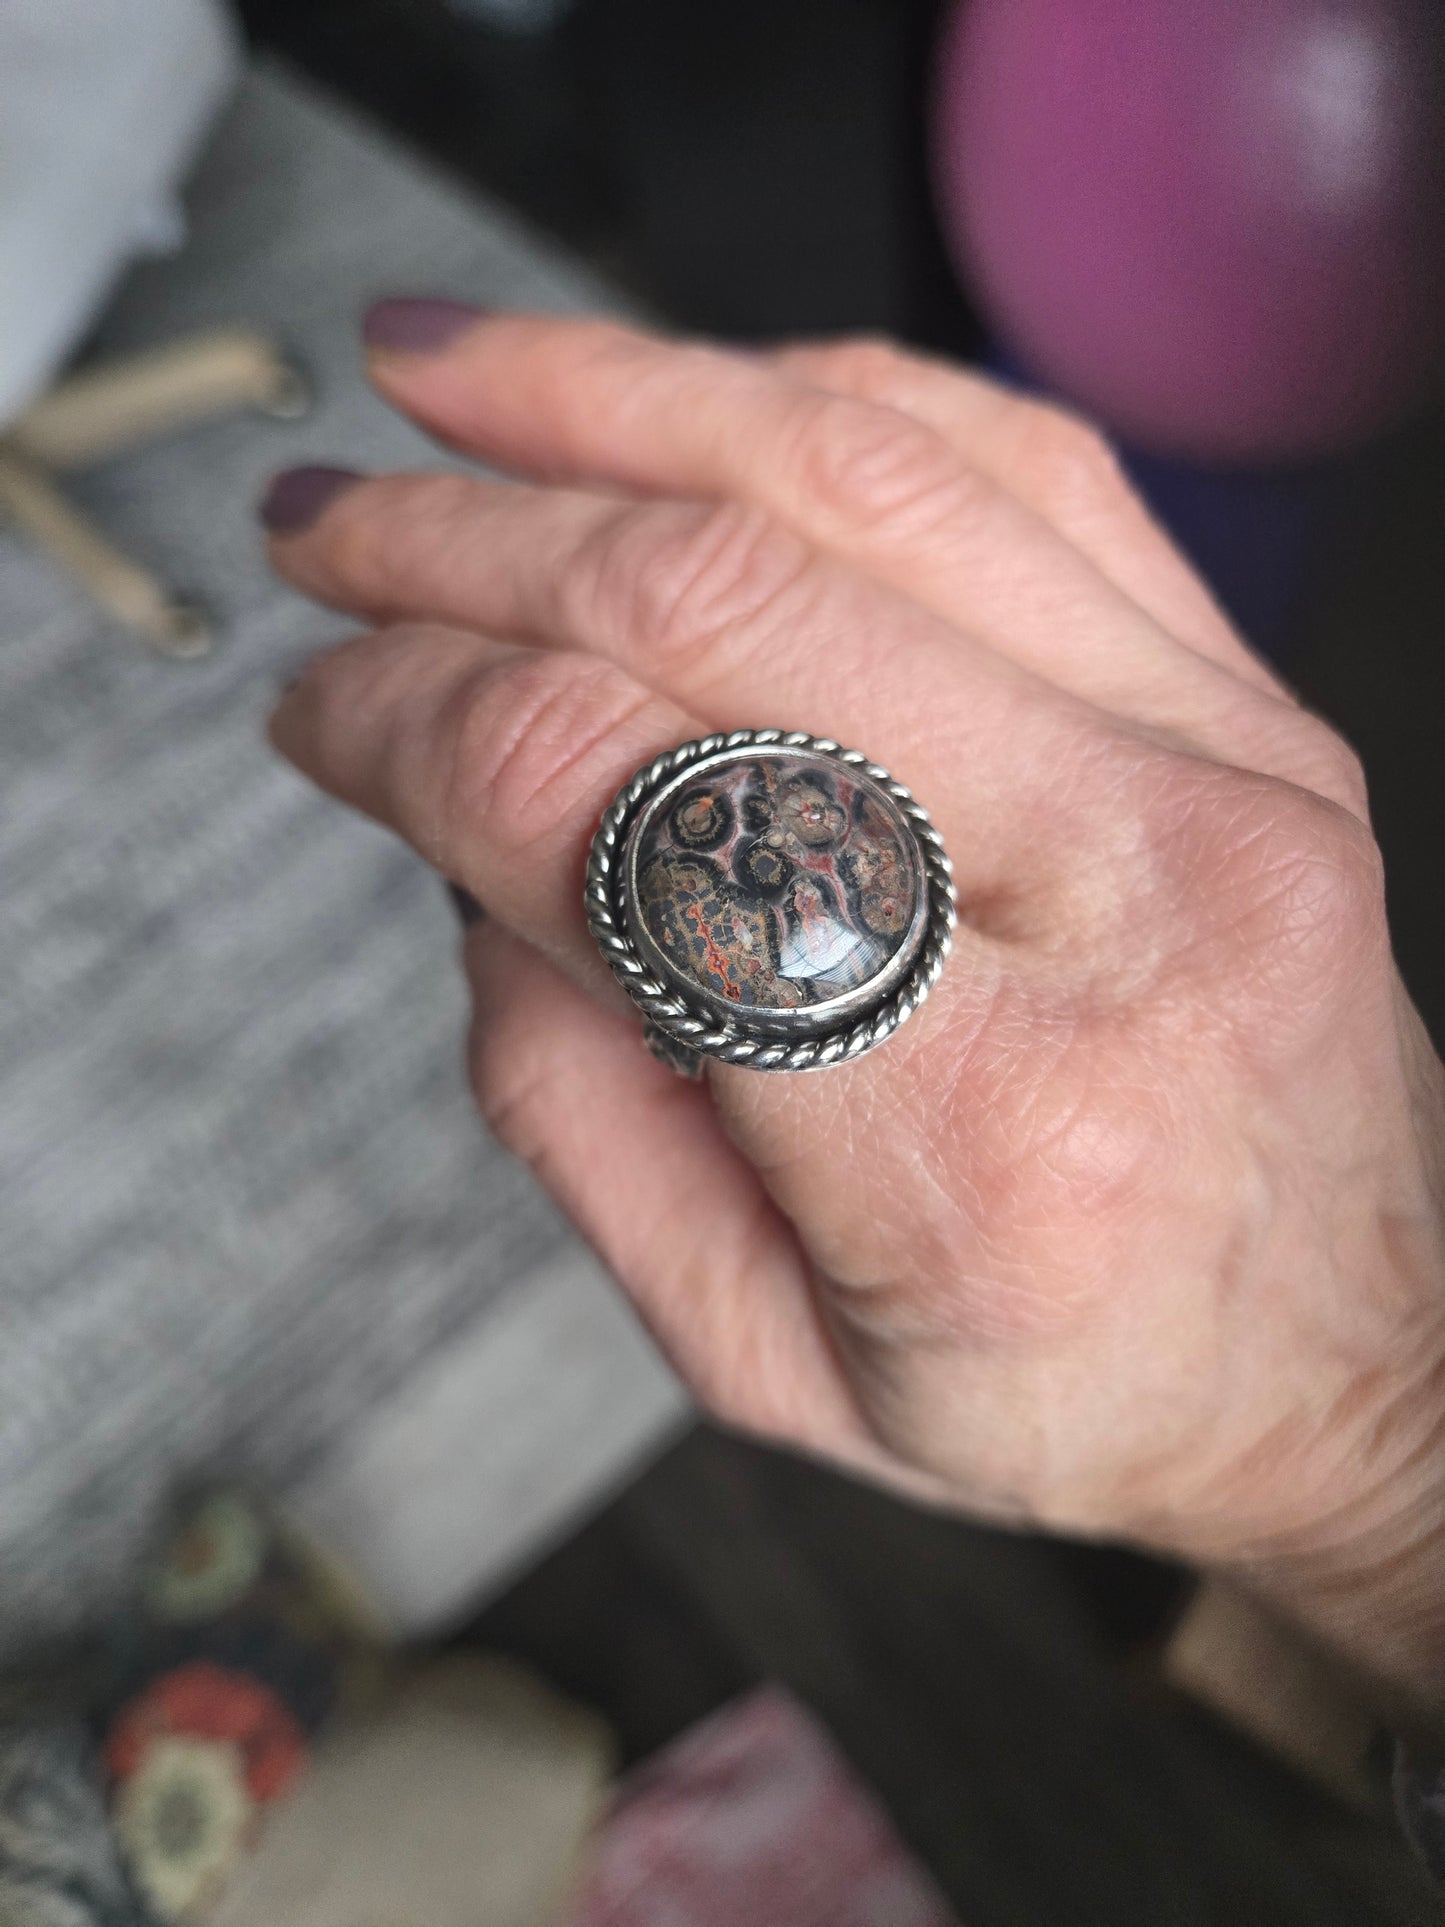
(769,899)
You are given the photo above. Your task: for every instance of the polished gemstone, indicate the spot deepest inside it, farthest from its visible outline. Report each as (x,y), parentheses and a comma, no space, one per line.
(778,881)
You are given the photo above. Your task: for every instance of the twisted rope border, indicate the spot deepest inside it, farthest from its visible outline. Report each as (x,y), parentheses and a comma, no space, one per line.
(691,1028)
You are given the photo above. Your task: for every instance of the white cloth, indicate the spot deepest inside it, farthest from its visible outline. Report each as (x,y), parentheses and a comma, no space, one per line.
(103,103)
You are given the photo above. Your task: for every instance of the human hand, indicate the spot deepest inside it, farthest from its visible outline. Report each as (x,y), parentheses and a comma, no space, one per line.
(1137,1228)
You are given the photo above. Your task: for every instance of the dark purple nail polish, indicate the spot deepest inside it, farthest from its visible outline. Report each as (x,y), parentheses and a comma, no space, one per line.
(417,325)
(466,905)
(297,496)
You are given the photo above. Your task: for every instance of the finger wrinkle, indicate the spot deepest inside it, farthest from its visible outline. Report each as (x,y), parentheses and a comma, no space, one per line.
(510,756)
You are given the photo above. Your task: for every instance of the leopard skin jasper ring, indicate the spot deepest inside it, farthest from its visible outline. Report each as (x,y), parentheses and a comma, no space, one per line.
(769,899)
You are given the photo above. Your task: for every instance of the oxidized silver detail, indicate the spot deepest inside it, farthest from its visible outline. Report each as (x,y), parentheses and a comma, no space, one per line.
(680,1026)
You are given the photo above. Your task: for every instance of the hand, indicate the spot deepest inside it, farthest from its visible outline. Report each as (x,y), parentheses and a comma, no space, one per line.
(1137,1228)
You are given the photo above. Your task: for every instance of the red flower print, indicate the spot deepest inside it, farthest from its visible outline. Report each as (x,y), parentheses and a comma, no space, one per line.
(208,1702)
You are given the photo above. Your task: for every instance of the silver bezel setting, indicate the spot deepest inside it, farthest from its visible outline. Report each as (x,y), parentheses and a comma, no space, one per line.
(682,1025)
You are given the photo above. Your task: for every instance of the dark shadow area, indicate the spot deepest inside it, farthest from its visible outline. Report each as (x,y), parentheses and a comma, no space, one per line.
(987,1685)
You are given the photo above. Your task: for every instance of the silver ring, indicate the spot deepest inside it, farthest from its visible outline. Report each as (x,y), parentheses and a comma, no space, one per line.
(769,899)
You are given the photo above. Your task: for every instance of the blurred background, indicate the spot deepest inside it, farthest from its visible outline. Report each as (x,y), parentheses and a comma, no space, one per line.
(256,1240)
(1242,276)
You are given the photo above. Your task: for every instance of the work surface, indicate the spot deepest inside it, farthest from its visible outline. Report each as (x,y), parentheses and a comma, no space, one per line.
(250,1221)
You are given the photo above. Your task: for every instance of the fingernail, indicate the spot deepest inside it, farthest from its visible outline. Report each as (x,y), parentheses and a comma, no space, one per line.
(297,496)
(465,905)
(416,324)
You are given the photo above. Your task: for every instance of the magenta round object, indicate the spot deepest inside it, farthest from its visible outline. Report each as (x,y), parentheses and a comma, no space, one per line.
(1217,224)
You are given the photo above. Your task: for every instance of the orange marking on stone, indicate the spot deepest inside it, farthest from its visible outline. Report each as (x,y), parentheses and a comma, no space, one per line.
(717,960)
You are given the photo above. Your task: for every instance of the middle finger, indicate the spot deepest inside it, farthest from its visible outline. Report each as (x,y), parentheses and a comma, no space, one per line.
(719,607)
(587,401)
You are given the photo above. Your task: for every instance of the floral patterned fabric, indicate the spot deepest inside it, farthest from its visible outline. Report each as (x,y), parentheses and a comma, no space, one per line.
(241,1645)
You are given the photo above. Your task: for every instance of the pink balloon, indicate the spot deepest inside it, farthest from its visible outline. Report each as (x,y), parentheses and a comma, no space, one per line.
(1217,224)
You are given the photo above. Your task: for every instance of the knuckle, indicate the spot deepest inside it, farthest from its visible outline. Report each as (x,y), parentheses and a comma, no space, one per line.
(1073,1149)
(699,585)
(530,744)
(364,699)
(869,366)
(1336,885)
(1297,883)
(1334,765)
(867,464)
(1069,462)
(1089,1155)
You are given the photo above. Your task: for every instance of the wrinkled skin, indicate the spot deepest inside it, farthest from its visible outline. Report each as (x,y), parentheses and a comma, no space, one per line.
(1136,1228)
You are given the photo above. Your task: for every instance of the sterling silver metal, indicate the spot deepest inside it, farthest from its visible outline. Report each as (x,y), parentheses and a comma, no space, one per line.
(682,1024)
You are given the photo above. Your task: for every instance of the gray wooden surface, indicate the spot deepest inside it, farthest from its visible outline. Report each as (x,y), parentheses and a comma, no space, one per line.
(249,1220)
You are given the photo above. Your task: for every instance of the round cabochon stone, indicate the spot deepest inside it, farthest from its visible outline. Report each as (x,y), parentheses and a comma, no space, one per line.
(778,882)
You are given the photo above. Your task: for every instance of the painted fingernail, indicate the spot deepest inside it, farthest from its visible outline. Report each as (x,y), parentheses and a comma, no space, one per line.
(297,496)
(416,324)
(465,905)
